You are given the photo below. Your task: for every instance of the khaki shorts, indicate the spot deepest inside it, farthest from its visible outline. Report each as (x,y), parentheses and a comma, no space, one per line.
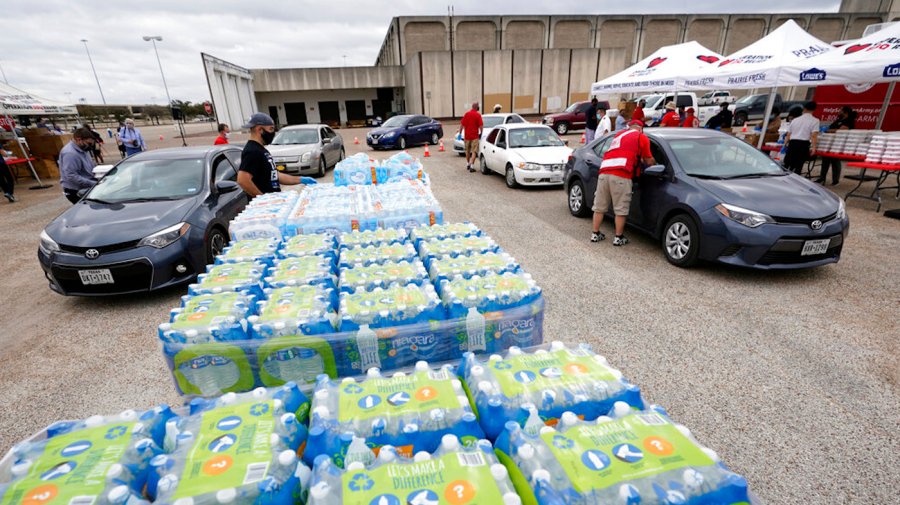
(615,190)
(471,147)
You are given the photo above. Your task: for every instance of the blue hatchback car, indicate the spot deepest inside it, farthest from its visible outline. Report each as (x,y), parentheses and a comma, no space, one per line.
(400,132)
(713,197)
(155,220)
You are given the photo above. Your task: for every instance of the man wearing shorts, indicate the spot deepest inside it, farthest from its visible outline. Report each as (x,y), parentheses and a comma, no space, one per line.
(628,148)
(470,128)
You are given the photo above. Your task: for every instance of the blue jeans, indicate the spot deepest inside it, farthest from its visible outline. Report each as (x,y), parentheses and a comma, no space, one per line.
(131,150)
(589,135)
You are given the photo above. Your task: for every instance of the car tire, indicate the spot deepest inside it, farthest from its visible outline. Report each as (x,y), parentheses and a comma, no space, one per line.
(401,143)
(561,128)
(740,118)
(681,241)
(215,243)
(341,156)
(483,165)
(461,154)
(435,139)
(322,167)
(578,204)
(511,177)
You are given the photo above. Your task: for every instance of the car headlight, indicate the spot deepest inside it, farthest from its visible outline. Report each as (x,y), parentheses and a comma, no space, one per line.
(746,217)
(48,245)
(548,120)
(529,166)
(306,156)
(842,209)
(389,134)
(165,237)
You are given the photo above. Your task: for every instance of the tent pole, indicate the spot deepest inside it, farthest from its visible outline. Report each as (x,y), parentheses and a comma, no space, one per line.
(40,185)
(885,104)
(769,104)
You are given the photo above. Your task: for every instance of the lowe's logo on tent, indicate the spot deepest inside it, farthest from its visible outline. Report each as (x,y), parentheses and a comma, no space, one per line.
(813,74)
(892,70)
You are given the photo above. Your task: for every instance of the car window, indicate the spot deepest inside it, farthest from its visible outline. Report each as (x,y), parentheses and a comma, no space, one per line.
(514,118)
(151,179)
(685,101)
(296,136)
(419,121)
(492,137)
(235,158)
(601,147)
(722,158)
(491,121)
(223,170)
(501,139)
(658,154)
(395,122)
(584,107)
(323,134)
(329,133)
(533,137)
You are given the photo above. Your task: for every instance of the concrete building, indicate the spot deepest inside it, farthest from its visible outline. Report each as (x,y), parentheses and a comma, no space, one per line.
(437,65)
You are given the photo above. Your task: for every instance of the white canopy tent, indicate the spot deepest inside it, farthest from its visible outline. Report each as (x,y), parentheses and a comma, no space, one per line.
(660,71)
(16,102)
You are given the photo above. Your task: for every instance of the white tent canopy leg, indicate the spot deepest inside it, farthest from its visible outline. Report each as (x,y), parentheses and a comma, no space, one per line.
(40,185)
(768,114)
(885,104)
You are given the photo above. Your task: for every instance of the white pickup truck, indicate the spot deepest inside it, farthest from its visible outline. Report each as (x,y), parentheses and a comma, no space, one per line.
(717,97)
(655,107)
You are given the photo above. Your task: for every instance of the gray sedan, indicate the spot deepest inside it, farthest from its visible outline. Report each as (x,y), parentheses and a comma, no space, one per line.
(307,149)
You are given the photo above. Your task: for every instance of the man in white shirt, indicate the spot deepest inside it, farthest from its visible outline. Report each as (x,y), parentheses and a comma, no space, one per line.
(604,125)
(801,139)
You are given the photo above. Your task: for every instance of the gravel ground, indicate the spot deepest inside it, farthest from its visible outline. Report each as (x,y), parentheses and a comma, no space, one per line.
(791,376)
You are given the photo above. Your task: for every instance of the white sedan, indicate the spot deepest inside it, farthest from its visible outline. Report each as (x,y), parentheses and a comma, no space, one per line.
(490,121)
(526,154)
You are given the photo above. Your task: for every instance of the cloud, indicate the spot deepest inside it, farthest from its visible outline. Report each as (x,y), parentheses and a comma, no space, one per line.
(42,53)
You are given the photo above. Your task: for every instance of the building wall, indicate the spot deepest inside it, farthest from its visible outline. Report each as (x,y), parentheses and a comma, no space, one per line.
(311,101)
(619,33)
(302,79)
(498,79)
(709,32)
(231,90)
(571,34)
(467,80)
(475,34)
(663,32)
(436,84)
(524,34)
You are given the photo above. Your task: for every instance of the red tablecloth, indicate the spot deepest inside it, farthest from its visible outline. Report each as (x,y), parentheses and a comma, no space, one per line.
(874,166)
(772,148)
(17,161)
(841,156)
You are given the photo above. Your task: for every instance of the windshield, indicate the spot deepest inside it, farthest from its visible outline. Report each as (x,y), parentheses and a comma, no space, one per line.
(747,99)
(651,100)
(299,136)
(533,137)
(395,121)
(722,158)
(492,121)
(150,180)
(572,107)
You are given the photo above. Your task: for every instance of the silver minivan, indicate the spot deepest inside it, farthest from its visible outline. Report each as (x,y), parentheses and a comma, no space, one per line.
(306,149)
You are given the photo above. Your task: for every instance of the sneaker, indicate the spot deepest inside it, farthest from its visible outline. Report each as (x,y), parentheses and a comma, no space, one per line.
(471,168)
(10,197)
(620,240)
(597,236)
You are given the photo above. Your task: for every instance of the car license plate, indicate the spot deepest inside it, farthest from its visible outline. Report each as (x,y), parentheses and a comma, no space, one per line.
(99,276)
(811,247)
(556,178)
(280,168)
(374,141)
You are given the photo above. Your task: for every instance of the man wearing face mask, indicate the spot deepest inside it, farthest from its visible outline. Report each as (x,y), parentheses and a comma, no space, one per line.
(224,130)
(76,164)
(258,174)
(132,138)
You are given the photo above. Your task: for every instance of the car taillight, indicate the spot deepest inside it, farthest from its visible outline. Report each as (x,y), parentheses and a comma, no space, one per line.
(571,156)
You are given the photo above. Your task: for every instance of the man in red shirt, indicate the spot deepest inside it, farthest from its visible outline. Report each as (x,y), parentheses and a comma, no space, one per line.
(224,130)
(638,113)
(470,127)
(671,118)
(628,148)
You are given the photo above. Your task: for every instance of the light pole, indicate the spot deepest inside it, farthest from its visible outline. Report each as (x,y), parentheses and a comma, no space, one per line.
(84,41)
(153,39)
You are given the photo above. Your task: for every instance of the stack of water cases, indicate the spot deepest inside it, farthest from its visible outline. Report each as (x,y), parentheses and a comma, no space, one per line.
(359,169)
(271,311)
(264,217)
(100,461)
(238,448)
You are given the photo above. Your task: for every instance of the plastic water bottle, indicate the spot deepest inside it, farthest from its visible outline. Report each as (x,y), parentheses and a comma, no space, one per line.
(245,277)
(261,250)
(378,236)
(305,309)
(475,324)
(301,270)
(392,306)
(489,292)
(367,345)
(208,317)
(444,231)
(383,275)
(468,266)
(308,245)
(456,246)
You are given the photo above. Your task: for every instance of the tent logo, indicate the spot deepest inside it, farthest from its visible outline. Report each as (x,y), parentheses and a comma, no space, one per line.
(655,61)
(813,74)
(892,70)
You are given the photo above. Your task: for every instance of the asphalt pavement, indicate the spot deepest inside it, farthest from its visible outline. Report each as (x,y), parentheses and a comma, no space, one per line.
(792,377)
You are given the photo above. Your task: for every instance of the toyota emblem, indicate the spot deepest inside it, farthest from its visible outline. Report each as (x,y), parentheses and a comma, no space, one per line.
(816,225)
(93,254)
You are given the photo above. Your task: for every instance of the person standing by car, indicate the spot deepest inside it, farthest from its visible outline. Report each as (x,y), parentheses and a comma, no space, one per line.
(470,127)
(619,166)
(722,119)
(497,108)
(76,164)
(132,139)
(258,174)
(846,120)
(690,120)
(604,123)
(638,113)
(222,138)
(622,120)
(590,121)
(801,138)
(671,118)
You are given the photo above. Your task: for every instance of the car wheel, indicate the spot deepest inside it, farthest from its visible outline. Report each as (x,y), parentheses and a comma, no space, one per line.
(578,205)
(739,119)
(562,128)
(511,177)
(484,168)
(321,172)
(341,156)
(681,241)
(402,143)
(215,244)
(435,139)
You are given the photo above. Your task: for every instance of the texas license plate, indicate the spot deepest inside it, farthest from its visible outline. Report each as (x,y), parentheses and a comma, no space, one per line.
(98,276)
(812,247)
(556,178)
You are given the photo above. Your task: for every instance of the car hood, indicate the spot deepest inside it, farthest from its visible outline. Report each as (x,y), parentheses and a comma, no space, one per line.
(289,150)
(91,224)
(382,131)
(785,196)
(544,155)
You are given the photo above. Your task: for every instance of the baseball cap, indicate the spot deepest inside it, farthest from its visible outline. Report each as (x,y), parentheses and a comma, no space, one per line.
(259,119)
(636,122)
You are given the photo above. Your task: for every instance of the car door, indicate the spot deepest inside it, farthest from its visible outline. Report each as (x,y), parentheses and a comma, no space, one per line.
(225,206)
(489,148)
(337,143)
(578,122)
(327,147)
(650,197)
(592,160)
(500,155)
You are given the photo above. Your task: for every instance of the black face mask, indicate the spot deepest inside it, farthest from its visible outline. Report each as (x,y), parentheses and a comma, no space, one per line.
(267,137)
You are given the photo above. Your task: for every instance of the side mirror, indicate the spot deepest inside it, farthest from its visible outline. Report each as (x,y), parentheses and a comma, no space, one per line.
(655,171)
(326,141)
(82,192)
(566,141)
(227,186)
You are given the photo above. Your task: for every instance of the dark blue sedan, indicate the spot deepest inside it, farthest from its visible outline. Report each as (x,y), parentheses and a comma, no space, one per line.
(713,197)
(155,220)
(400,132)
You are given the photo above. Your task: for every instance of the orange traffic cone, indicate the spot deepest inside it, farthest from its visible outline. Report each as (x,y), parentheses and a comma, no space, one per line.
(356,140)
(427,154)
(582,138)
(441,146)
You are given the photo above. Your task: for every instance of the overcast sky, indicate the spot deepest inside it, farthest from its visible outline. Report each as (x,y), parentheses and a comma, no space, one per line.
(41,52)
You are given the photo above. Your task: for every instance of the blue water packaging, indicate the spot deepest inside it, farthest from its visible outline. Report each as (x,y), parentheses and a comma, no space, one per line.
(380,236)
(260,250)
(316,244)
(447,268)
(443,231)
(383,275)
(293,310)
(491,292)
(209,317)
(301,270)
(395,305)
(628,457)
(358,169)
(402,166)
(375,253)
(245,277)
(410,412)
(455,246)
(549,379)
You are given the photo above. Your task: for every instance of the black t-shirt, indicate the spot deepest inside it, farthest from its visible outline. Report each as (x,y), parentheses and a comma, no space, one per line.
(849,122)
(590,117)
(256,161)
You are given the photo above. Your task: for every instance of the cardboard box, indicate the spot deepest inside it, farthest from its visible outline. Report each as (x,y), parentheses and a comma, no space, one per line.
(46,145)
(46,169)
